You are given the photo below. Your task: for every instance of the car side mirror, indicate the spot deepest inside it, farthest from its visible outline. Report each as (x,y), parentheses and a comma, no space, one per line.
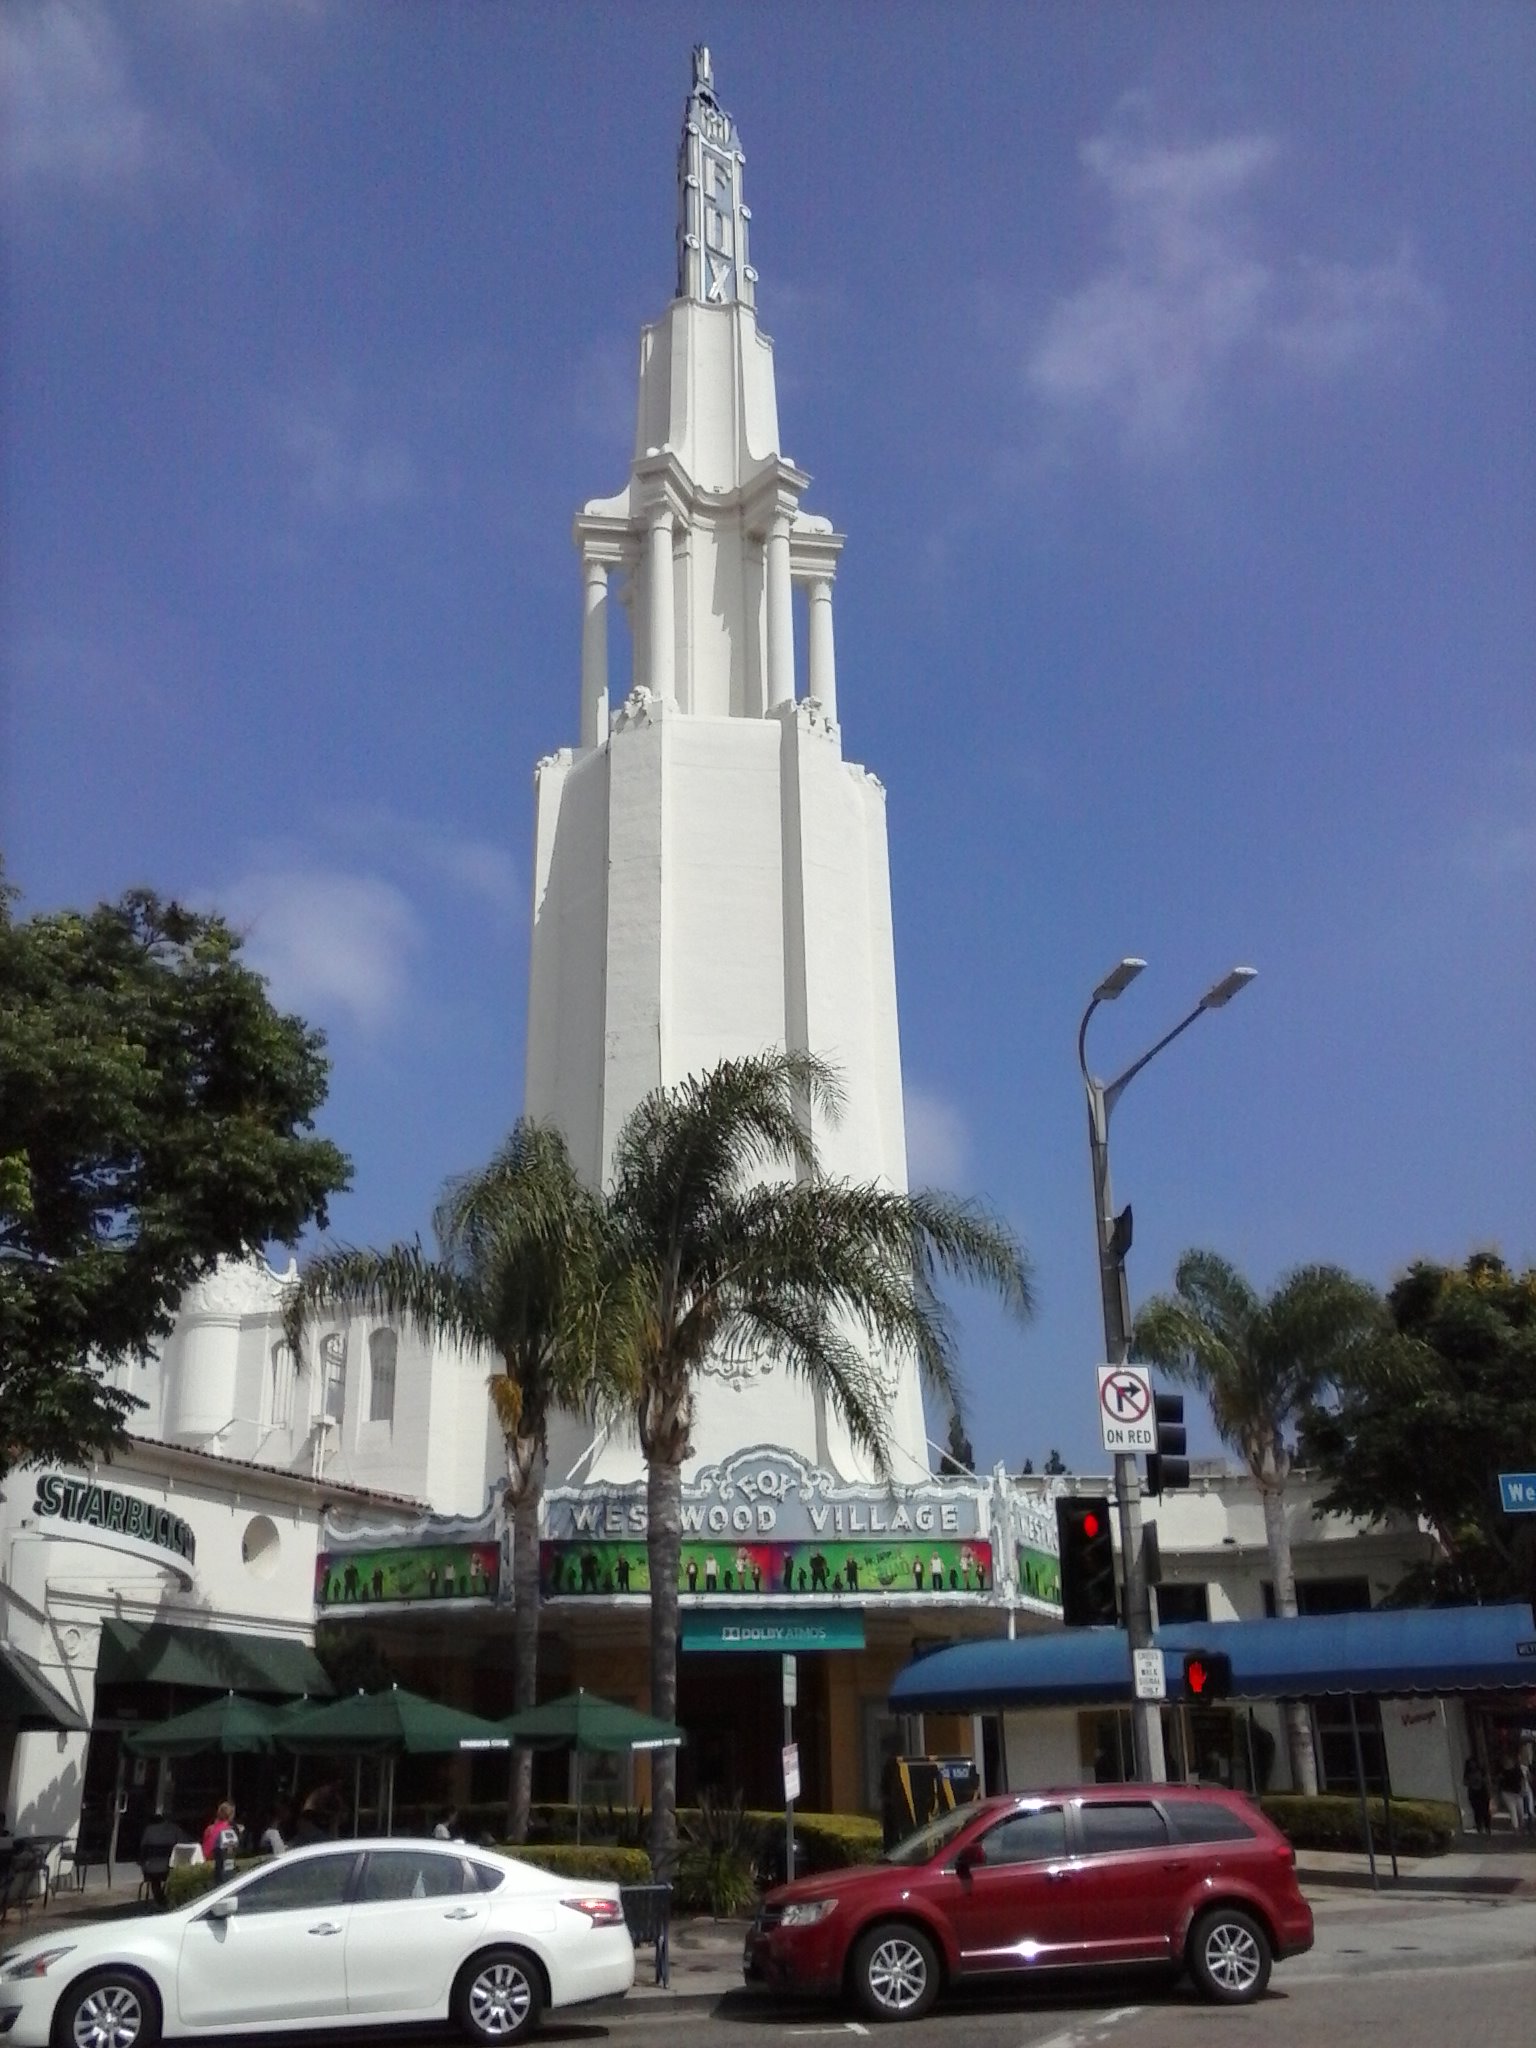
(222,1909)
(970,1858)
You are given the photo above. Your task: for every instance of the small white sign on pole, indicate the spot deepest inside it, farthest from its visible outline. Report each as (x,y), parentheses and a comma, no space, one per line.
(1127,1419)
(791,1683)
(1151,1678)
(791,1772)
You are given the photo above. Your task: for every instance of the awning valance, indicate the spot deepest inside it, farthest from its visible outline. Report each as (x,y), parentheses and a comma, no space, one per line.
(1383,1654)
(28,1702)
(213,1659)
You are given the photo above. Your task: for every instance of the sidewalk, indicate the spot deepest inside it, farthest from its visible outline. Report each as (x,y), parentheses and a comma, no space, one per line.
(1490,1865)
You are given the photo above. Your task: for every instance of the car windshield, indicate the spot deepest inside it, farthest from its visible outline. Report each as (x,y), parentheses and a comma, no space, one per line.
(929,1841)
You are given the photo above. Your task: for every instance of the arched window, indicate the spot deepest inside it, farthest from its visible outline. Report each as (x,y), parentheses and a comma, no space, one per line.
(333,1365)
(383,1349)
(277,1394)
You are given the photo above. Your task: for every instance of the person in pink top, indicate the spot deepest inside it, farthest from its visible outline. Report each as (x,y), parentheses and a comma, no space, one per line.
(221,1839)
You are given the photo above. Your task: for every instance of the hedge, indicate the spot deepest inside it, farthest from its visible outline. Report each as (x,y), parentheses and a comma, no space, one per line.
(1420,1827)
(831,1841)
(564,1859)
(188,1881)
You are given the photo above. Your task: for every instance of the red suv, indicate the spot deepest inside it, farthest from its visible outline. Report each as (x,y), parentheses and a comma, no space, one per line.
(1039,1881)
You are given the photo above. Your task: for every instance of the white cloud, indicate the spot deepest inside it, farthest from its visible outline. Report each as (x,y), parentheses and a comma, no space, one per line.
(340,929)
(1499,845)
(938,1144)
(328,941)
(73,115)
(415,848)
(340,466)
(1193,294)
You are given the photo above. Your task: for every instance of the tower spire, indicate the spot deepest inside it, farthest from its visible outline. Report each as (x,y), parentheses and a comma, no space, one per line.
(712,219)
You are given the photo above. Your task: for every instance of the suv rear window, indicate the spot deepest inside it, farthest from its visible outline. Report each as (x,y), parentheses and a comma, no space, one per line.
(1207,1820)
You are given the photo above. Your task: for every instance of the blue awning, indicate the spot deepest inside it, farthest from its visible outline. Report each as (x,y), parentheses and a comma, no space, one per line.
(1382,1654)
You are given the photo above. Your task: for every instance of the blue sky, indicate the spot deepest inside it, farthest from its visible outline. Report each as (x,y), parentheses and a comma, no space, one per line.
(1168,368)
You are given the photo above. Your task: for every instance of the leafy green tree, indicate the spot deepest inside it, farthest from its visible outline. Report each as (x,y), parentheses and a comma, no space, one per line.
(1436,1449)
(155,1112)
(1262,1364)
(724,1238)
(516,1267)
(959,1459)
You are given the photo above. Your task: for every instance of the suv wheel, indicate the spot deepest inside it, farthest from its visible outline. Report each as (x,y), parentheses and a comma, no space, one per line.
(1229,1956)
(895,1972)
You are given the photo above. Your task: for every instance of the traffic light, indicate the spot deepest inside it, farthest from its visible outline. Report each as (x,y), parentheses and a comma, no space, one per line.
(1087,1561)
(1207,1675)
(1167,1466)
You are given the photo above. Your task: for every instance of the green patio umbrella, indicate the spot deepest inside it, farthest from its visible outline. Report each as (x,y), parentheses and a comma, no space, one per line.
(590,1725)
(232,1723)
(387,1725)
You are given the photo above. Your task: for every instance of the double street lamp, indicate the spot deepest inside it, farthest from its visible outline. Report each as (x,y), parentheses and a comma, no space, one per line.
(1113,1237)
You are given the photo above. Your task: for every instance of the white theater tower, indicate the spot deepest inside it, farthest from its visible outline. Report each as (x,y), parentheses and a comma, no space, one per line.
(711,875)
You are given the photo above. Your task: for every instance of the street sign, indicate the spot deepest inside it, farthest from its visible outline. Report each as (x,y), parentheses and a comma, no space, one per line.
(791,1683)
(1151,1679)
(791,1771)
(1126,1418)
(1517,1490)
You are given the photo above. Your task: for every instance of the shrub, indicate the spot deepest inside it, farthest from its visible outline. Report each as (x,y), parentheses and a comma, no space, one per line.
(188,1881)
(1420,1827)
(716,1872)
(564,1859)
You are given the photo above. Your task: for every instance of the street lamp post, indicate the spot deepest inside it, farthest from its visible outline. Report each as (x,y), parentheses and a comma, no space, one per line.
(1113,1238)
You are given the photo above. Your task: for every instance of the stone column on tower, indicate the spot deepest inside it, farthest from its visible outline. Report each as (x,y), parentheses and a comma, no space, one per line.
(711,876)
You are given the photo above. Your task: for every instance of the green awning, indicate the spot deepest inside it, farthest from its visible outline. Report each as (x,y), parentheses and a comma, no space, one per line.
(28,1702)
(213,1659)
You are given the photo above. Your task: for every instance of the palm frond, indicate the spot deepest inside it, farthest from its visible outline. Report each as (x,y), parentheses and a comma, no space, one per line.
(399,1285)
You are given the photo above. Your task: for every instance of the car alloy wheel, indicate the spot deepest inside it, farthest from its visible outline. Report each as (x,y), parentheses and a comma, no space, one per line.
(897,1973)
(1231,1957)
(108,2010)
(499,1999)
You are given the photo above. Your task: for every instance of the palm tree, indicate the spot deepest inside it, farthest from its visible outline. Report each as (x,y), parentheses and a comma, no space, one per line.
(1261,1364)
(517,1248)
(709,1257)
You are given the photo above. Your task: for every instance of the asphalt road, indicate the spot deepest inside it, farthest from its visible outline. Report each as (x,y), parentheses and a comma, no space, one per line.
(1400,1973)
(1385,1973)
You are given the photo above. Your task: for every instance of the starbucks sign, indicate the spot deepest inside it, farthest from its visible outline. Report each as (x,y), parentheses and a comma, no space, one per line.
(94,1512)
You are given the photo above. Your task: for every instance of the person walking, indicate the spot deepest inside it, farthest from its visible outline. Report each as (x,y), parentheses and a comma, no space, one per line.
(1475,1779)
(1512,1790)
(274,1836)
(320,1816)
(159,1838)
(221,1841)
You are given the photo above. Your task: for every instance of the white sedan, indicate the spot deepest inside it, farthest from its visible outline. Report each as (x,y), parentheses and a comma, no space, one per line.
(346,1934)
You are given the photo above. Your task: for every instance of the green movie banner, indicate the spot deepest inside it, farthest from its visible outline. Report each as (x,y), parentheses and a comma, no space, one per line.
(432,1571)
(1039,1574)
(815,1567)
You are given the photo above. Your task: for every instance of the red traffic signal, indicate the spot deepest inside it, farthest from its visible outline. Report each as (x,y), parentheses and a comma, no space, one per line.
(1207,1675)
(1087,1548)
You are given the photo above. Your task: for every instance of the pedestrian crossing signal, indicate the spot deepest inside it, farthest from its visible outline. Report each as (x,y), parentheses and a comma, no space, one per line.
(1207,1675)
